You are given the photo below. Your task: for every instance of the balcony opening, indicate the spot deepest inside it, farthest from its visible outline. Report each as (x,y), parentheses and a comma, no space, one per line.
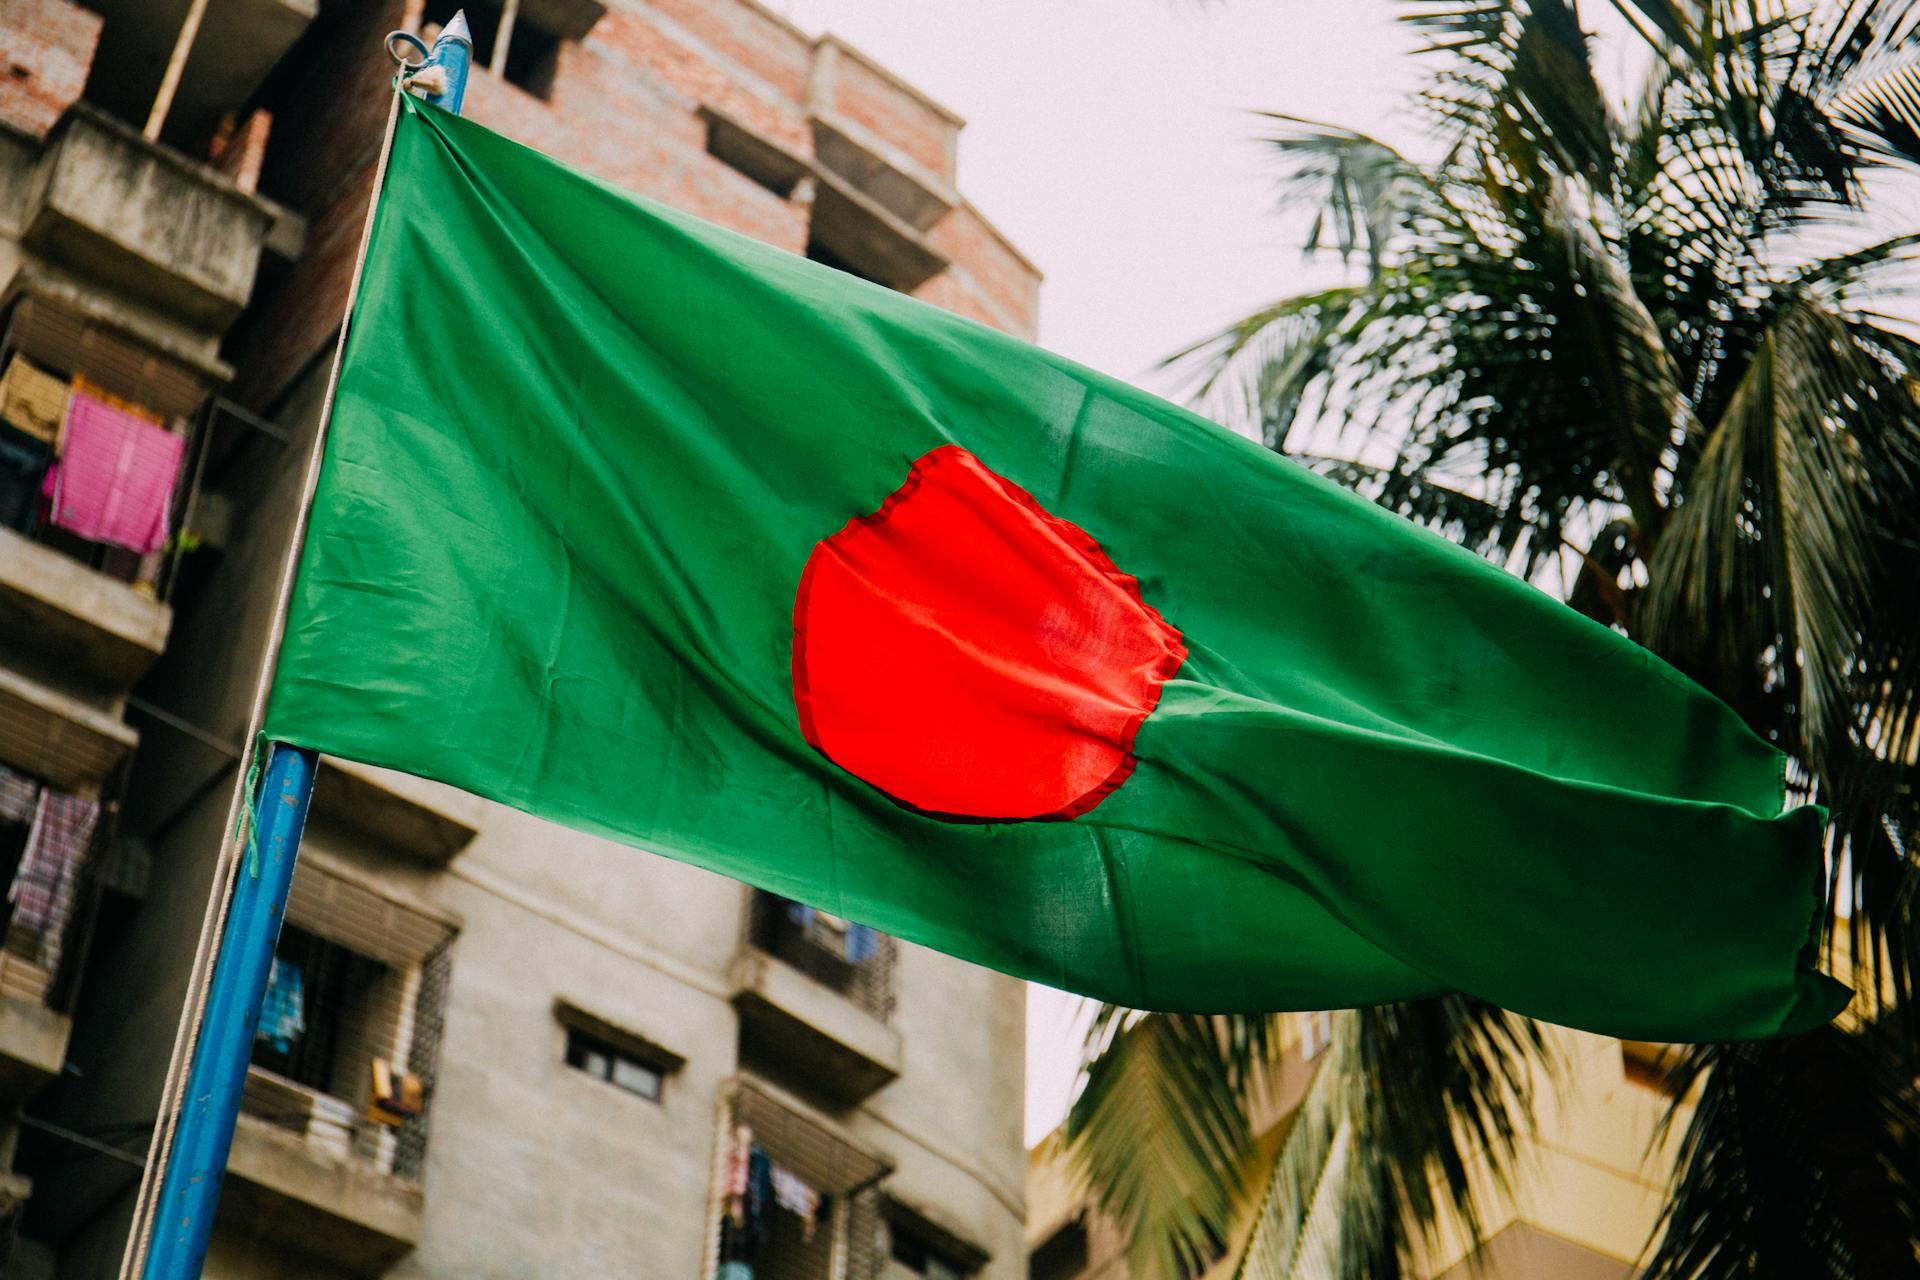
(519,40)
(97,440)
(47,841)
(752,156)
(918,1246)
(826,257)
(798,1200)
(852,232)
(1063,1255)
(347,1043)
(850,958)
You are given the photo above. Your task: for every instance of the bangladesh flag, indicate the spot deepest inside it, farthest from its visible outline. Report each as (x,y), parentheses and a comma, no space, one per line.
(648,529)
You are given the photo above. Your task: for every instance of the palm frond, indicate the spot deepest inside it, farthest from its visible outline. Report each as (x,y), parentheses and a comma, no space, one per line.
(1412,1102)
(1161,1129)
(1799,1160)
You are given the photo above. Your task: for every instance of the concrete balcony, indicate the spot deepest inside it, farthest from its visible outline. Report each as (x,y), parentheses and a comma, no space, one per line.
(145,221)
(815,1034)
(338,1208)
(66,740)
(911,194)
(421,819)
(859,233)
(101,630)
(33,1047)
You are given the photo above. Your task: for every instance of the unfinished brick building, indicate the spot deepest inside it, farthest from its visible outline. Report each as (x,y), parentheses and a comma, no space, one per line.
(182,188)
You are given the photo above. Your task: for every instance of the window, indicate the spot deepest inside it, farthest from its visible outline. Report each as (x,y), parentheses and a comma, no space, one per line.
(826,257)
(917,1256)
(347,1042)
(617,1067)
(520,39)
(920,1246)
(818,1215)
(752,156)
(1063,1255)
(318,997)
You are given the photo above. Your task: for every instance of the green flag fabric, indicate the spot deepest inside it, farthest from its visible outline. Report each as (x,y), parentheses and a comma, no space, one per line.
(643,527)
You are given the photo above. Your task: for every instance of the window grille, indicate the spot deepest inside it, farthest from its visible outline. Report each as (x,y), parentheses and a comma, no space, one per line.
(868,983)
(849,1241)
(423,1060)
(359,979)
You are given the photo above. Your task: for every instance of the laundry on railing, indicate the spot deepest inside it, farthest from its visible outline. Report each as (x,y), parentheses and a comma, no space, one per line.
(113,481)
(283,1013)
(753,1185)
(854,943)
(18,796)
(44,886)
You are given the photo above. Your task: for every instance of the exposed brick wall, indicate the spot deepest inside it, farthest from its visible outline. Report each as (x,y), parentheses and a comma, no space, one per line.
(752,38)
(993,268)
(643,139)
(624,106)
(631,43)
(46,47)
(281,333)
(860,92)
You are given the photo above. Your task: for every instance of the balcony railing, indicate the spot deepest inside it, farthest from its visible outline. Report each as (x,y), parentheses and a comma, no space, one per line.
(346,1025)
(794,1196)
(26,507)
(330,1152)
(818,946)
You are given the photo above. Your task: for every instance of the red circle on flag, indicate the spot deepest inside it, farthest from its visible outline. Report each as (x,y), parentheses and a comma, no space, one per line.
(973,656)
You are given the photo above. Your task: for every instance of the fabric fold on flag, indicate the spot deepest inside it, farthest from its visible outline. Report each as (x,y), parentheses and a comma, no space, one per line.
(646,528)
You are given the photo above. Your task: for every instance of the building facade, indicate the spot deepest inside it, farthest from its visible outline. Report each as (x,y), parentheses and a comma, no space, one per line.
(491,1047)
(1587,1197)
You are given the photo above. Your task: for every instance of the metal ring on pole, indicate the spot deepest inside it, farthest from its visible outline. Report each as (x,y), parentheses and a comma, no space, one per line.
(400,59)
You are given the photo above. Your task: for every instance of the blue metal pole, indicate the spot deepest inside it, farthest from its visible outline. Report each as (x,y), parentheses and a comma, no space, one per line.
(203,1139)
(190,1191)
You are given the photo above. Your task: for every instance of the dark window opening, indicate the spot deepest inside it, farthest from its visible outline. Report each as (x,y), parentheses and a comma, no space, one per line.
(922,1258)
(751,156)
(614,1066)
(532,56)
(828,258)
(1063,1256)
(533,51)
(314,986)
(13,844)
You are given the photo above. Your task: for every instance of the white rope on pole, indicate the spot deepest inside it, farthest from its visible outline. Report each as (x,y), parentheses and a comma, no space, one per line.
(234,841)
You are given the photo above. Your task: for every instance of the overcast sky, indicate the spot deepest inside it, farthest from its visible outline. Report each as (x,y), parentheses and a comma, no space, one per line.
(1114,141)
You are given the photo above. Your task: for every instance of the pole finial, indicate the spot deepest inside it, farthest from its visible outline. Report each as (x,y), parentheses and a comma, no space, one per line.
(442,79)
(456,29)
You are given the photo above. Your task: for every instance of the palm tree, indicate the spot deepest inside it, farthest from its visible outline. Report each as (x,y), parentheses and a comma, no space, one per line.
(1644,357)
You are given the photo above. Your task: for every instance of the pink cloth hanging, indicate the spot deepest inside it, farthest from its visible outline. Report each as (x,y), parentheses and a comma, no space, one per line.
(114,478)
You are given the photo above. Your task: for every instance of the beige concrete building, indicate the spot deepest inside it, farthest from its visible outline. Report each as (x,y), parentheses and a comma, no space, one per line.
(1588,1192)
(588,1027)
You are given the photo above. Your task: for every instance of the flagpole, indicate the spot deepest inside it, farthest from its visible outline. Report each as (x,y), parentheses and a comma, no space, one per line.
(194,1135)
